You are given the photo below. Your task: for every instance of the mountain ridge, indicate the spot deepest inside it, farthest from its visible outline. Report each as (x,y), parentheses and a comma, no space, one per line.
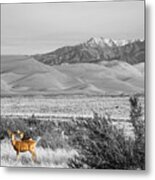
(96,50)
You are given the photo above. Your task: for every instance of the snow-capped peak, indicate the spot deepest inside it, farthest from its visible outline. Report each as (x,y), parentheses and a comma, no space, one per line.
(122,42)
(101,41)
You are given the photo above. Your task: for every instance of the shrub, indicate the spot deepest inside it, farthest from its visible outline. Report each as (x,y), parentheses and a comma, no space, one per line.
(102,145)
(139,130)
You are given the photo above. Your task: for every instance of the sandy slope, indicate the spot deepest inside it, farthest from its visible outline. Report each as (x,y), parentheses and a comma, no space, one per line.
(140,67)
(25,75)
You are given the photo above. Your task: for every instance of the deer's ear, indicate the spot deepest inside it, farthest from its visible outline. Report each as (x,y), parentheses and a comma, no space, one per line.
(18,131)
(9,133)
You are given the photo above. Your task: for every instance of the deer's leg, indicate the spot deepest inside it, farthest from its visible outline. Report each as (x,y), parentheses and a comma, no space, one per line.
(17,155)
(33,155)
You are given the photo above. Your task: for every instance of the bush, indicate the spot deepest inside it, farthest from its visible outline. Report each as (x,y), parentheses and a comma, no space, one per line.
(102,145)
(139,130)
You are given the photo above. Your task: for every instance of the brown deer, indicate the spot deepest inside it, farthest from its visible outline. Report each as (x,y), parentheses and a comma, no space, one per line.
(23,145)
(22,135)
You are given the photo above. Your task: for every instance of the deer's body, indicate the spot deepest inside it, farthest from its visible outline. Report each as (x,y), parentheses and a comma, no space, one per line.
(23,145)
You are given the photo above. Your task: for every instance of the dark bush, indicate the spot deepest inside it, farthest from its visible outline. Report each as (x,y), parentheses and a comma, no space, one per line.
(139,130)
(102,145)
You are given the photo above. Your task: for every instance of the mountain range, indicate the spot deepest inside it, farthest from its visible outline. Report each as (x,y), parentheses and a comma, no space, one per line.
(97,50)
(99,66)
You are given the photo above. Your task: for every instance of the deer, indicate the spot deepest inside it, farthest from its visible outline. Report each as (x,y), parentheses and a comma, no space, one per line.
(22,135)
(20,146)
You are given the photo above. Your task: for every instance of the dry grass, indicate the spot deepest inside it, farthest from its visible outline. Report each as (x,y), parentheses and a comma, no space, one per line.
(46,157)
(48,107)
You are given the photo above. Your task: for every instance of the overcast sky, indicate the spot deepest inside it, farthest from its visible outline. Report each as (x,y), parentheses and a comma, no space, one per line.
(38,28)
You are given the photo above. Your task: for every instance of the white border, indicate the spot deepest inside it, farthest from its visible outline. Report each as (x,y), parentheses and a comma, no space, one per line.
(40,174)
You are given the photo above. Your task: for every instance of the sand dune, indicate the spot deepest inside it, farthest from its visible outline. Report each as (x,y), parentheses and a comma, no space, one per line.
(109,77)
(25,75)
(140,67)
(5,88)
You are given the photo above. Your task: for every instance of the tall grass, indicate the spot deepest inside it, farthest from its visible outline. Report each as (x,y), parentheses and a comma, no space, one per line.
(46,157)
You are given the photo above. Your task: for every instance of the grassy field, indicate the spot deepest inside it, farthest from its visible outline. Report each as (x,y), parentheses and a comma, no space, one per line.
(46,157)
(74,106)
(61,124)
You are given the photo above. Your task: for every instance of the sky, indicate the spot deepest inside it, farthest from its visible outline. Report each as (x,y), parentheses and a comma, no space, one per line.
(43,27)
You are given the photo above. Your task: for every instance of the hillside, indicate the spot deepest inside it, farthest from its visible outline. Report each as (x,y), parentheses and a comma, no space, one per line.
(97,50)
(23,75)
